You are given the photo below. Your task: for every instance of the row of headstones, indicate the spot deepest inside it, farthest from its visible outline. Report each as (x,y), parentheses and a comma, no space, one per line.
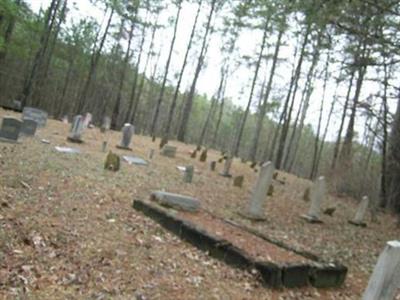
(32,118)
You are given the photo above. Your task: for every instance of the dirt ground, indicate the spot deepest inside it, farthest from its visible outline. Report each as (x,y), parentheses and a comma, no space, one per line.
(68,230)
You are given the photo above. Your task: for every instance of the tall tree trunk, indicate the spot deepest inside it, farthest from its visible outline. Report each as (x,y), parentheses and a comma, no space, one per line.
(263,107)
(287,119)
(178,85)
(221,99)
(8,34)
(38,60)
(189,101)
(61,101)
(238,139)
(82,101)
(115,124)
(385,125)
(161,96)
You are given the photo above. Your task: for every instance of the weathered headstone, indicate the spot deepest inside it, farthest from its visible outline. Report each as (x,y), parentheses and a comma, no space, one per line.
(385,279)
(87,120)
(203,155)
(238,181)
(10,129)
(151,153)
(76,131)
(17,105)
(163,142)
(213,165)
(193,154)
(112,162)
(127,132)
(188,174)
(318,194)
(40,116)
(65,119)
(257,201)
(360,214)
(104,146)
(106,124)
(29,127)
(169,151)
(227,167)
(176,201)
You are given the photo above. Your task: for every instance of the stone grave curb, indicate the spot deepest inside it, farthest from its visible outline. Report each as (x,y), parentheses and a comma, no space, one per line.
(317,274)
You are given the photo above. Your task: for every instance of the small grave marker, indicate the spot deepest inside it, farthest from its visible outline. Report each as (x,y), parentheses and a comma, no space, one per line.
(106,124)
(176,201)
(227,167)
(238,181)
(40,116)
(151,153)
(10,129)
(168,151)
(203,155)
(188,174)
(213,165)
(29,127)
(104,146)
(360,214)
(112,162)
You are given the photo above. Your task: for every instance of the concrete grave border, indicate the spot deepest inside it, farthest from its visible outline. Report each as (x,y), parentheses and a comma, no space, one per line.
(316,273)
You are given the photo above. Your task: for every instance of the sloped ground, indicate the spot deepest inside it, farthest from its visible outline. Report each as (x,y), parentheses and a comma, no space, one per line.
(67,229)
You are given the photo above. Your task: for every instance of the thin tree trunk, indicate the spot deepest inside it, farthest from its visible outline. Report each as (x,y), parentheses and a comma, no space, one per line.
(263,107)
(238,138)
(178,85)
(187,109)
(161,96)
(383,192)
(221,106)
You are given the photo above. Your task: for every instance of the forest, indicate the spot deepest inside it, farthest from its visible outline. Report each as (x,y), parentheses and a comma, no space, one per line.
(312,85)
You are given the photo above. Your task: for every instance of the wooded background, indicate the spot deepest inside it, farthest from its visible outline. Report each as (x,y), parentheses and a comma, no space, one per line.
(117,67)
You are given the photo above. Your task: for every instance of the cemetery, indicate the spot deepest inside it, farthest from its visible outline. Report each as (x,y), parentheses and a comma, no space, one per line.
(110,217)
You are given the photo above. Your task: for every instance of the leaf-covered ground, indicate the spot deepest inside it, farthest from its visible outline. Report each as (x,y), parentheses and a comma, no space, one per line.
(67,229)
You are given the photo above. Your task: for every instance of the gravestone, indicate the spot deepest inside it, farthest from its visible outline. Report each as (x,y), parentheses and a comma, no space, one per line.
(65,119)
(29,127)
(127,132)
(317,195)
(10,129)
(17,105)
(163,142)
(193,154)
(213,165)
(106,124)
(227,167)
(40,116)
(104,146)
(385,279)
(188,174)
(87,120)
(360,214)
(112,162)
(176,201)
(151,153)
(260,190)
(203,155)
(76,131)
(168,151)
(238,181)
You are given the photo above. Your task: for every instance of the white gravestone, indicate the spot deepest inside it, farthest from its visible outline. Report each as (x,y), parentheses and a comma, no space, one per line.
(318,193)
(127,132)
(360,214)
(385,280)
(227,167)
(257,201)
(76,130)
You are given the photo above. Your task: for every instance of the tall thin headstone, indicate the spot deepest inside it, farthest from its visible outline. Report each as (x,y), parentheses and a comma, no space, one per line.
(318,194)
(227,167)
(188,174)
(76,131)
(106,124)
(213,164)
(260,190)
(360,214)
(127,132)
(385,279)
(151,153)
(29,127)
(87,120)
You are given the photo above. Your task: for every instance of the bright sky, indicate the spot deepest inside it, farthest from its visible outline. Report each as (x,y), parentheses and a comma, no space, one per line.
(238,88)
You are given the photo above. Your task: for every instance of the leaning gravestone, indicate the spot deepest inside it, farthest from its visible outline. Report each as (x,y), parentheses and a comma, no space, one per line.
(10,129)
(256,208)
(318,193)
(203,155)
(127,132)
(385,279)
(227,167)
(29,127)
(188,174)
(76,130)
(361,211)
(40,116)
(176,201)
(168,151)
